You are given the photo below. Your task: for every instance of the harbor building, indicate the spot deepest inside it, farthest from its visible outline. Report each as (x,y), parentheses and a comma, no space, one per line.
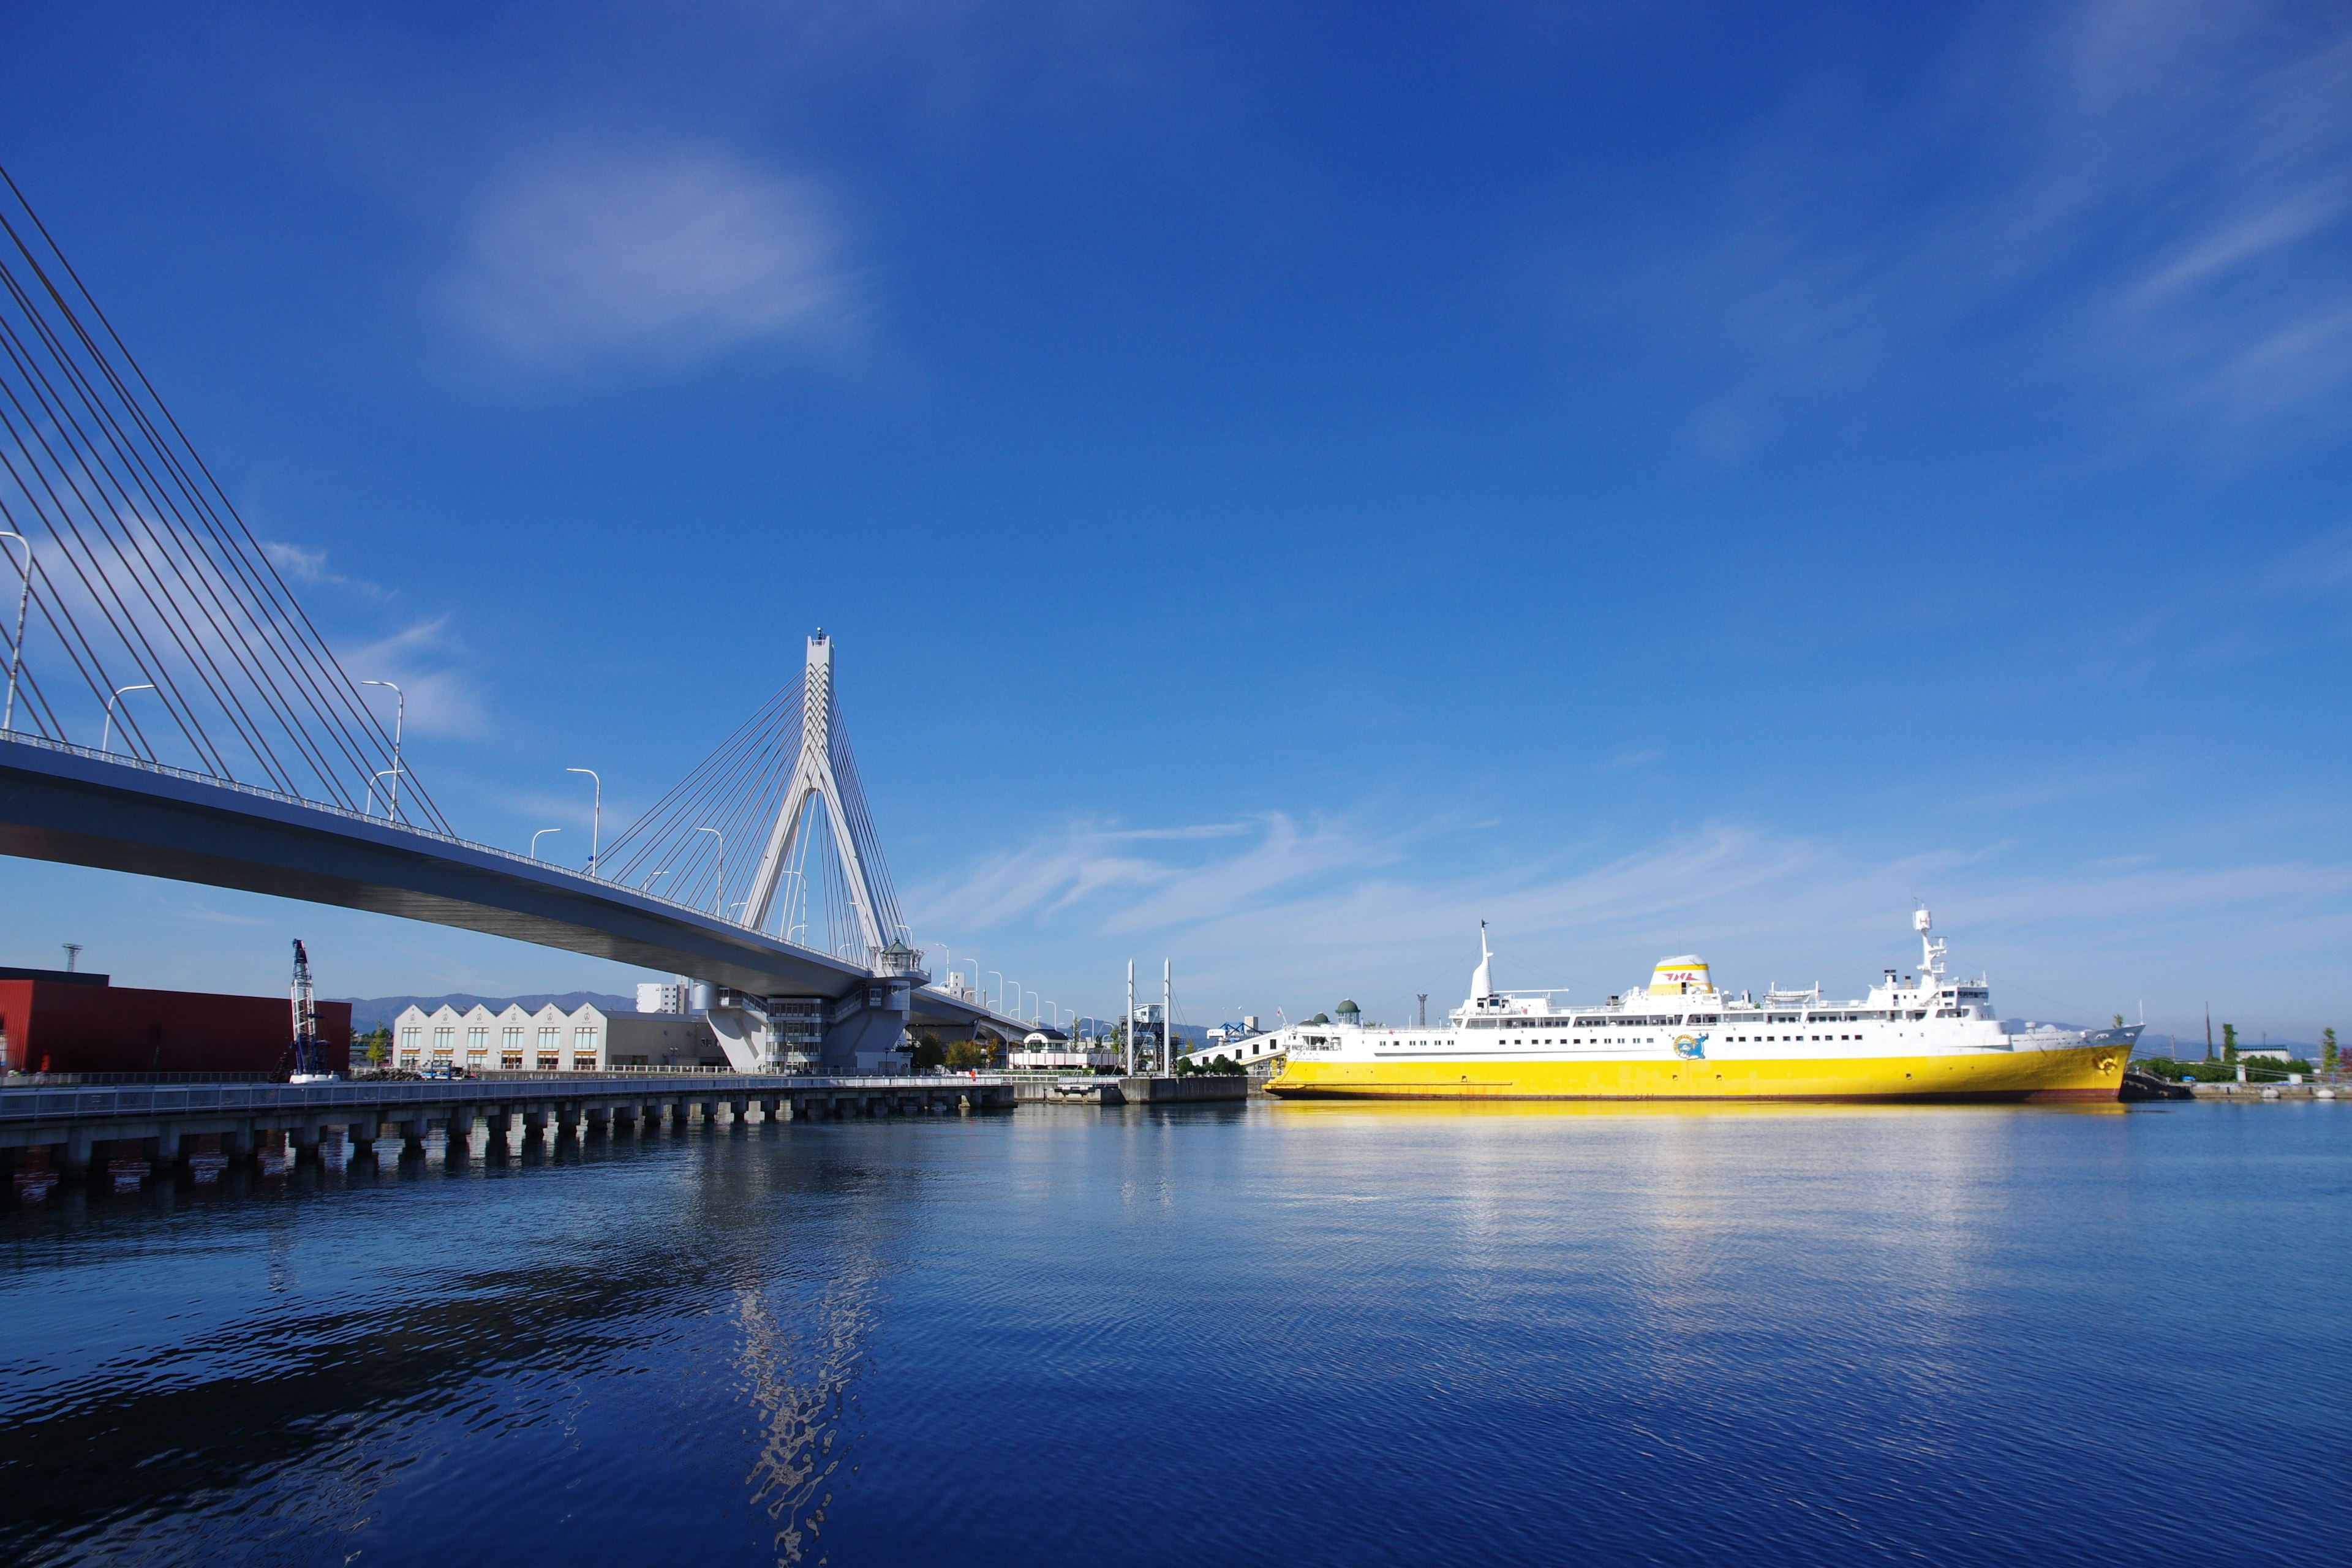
(586,1039)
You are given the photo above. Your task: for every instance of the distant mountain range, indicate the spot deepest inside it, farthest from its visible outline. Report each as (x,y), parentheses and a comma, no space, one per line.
(378,1012)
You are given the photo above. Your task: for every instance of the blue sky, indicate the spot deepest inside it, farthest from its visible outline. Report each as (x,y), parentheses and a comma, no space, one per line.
(1289,481)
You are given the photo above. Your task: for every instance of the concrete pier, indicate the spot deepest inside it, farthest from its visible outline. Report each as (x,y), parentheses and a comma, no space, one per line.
(1189,1090)
(51,1132)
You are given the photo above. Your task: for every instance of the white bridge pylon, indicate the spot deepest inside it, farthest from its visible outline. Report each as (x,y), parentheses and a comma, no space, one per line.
(814,787)
(771,832)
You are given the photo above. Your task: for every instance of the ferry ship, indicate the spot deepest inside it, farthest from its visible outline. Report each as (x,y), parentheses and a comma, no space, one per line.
(1923,1036)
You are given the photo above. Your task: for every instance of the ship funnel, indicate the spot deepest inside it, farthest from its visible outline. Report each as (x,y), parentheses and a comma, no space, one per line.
(1685,976)
(1482,980)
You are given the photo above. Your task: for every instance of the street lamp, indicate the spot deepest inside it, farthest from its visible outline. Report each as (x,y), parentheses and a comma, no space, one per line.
(1056,1006)
(369,810)
(596,822)
(722,867)
(399,722)
(537,836)
(16,648)
(999,1003)
(106,733)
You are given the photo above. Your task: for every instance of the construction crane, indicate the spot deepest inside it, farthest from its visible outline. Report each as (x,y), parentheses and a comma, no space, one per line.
(310,1054)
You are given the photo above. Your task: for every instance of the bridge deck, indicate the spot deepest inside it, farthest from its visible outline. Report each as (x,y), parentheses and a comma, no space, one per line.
(83,807)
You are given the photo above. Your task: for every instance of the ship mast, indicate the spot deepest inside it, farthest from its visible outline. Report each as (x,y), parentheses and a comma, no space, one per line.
(1931,950)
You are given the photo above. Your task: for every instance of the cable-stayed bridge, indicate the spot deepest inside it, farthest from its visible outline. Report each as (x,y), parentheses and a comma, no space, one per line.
(235,750)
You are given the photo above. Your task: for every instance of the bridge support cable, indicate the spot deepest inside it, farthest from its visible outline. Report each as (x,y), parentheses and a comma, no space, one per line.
(696,844)
(774,821)
(144,572)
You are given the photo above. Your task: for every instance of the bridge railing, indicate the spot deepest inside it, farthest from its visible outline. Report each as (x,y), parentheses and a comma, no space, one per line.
(168,1100)
(14,1079)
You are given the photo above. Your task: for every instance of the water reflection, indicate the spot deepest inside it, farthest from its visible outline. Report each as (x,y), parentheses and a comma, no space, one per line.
(1273,1334)
(800,1360)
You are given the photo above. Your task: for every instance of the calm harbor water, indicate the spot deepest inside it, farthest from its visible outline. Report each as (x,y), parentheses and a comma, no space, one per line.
(1278,1333)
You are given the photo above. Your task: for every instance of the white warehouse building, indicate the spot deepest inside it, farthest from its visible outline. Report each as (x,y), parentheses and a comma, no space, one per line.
(585,1039)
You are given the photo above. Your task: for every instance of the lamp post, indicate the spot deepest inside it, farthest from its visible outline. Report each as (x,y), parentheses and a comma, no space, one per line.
(369,810)
(999,1003)
(106,733)
(722,867)
(399,722)
(16,648)
(537,836)
(595,822)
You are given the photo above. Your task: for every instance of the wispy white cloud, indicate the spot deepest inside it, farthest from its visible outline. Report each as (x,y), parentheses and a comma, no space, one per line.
(2157,198)
(596,259)
(425,659)
(1303,912)
(309,568)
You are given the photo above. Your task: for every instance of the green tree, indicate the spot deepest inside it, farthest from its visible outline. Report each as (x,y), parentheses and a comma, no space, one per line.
(378,1043)
(2229,1042)
(928,1053)
(966,1055)
(2327,1049)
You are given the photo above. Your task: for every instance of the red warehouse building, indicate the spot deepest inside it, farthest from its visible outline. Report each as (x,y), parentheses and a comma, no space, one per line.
(52,1021)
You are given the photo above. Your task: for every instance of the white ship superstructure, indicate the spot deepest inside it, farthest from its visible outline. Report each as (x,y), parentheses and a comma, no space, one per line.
(1912,1033)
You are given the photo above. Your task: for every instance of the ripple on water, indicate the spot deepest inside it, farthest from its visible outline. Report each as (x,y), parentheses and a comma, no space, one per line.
(1270,1333)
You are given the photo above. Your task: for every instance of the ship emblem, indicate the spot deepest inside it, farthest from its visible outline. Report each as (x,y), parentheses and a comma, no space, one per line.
(1691,1047)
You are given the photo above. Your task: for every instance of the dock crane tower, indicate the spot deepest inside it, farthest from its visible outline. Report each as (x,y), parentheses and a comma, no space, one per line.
(310,1053)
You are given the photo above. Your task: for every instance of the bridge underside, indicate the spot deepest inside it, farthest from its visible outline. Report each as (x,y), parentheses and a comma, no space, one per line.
(84,810)
(81,811)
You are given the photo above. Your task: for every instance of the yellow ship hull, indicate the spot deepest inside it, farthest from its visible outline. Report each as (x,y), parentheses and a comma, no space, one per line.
(2085,1072)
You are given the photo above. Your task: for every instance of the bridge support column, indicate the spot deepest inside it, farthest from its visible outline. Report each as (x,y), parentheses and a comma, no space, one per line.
(742,1109)
(867,1027)
(534,1122)
(497,1120)
(600,1119)
(362,1135)
(768,1109)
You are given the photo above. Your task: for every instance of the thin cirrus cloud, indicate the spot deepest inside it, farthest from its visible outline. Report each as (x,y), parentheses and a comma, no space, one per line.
(309,568)
(1347,906)
(423,658)
(2154,197)
(601,262)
